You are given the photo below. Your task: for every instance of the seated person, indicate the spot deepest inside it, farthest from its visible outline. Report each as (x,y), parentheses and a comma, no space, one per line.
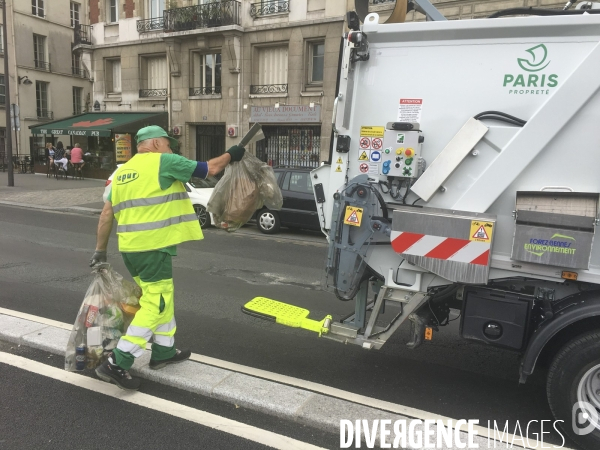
(60,156)
(77,157)
(50,153)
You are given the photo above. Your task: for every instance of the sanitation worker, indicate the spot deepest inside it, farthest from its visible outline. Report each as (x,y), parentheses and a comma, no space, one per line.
(154,214)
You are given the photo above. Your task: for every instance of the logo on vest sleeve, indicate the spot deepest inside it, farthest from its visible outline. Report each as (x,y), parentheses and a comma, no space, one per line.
(127,176)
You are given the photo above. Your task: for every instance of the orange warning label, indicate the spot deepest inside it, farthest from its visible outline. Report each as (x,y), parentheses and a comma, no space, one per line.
(481,231)
(353,216)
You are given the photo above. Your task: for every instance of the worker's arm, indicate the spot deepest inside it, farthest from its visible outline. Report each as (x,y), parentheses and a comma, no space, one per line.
(216,165)
(219,163)
(104,229)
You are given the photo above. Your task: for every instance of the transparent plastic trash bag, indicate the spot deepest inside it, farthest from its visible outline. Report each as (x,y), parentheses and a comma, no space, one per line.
(100,321)
(246,186)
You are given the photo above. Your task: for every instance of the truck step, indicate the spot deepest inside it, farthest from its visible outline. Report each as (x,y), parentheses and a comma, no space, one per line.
(285,314)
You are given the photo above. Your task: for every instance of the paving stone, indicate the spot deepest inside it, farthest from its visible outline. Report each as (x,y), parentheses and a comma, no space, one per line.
(261,395)
(51,339)
(189,375)
(12,329)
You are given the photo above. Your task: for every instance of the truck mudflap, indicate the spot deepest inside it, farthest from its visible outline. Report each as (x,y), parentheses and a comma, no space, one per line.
(565,313)
(285,314)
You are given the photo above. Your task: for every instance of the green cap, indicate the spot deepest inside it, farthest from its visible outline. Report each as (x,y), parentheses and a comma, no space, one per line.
(154,131)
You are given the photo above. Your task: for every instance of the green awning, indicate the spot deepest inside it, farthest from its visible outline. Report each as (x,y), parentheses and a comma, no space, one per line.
(101,124)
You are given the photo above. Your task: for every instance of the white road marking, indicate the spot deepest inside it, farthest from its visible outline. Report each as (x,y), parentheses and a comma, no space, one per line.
(158,404)
(304,384)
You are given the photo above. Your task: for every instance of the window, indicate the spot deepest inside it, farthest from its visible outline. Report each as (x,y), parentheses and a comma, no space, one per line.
(77,103)
(1,40)
(113,11)
(2,91)
(113,76)
(41,100)
(272,65)
(155,8)
(39,51)
(206,74)
(74,14)
(153,72)
(316,55)
(298,182)
(37,8)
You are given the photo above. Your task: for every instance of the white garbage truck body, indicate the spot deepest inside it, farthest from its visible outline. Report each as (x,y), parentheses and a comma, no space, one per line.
(464,176)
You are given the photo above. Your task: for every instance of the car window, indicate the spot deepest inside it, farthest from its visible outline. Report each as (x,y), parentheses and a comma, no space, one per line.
(209,182)
(278,176)
(286,181)
(300,182)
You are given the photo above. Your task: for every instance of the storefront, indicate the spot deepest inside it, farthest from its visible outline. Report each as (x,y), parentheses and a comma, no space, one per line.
(292,135)
(107,139)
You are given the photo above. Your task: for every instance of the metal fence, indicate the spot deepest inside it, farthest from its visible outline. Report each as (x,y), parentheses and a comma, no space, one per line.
(290,146)
(83,34)
(207,15)
(269,7)
(148,25)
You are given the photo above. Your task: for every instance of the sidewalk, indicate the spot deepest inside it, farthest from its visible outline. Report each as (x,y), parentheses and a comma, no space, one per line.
(39,191)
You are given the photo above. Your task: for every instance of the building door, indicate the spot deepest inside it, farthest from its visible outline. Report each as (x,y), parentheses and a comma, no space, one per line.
(290,146)
(210,141)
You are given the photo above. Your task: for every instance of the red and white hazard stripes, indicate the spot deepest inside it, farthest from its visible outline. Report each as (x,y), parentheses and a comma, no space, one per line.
(437,247)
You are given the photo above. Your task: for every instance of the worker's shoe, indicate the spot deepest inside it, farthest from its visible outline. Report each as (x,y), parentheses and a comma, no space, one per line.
(180,356)
(111,373)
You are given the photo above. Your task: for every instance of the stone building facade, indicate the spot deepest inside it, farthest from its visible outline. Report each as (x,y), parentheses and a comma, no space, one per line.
(47,79)
(218,67)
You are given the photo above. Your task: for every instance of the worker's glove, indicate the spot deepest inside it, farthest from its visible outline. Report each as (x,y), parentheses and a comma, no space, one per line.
(98,257)
(236,152)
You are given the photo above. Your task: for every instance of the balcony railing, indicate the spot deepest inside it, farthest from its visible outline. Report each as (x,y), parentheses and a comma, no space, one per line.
(83,34)
(269,89)
(208,15)
(265,8)
(195,91)
(148,25)
(45,114)
(80,72)
(144,93)
(43,65)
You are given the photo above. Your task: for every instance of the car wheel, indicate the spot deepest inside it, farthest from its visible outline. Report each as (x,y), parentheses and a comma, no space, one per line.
(573,389)
(202,215)
(268,221)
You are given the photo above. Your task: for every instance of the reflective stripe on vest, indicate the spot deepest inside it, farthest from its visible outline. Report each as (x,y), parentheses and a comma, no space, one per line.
(150,218)
(156,225)
(149,201)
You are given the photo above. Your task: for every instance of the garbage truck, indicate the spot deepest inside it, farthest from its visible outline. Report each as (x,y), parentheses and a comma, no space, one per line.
(464,176)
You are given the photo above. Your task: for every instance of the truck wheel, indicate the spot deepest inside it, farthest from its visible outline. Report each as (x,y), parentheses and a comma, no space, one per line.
(573,389)
(268,221)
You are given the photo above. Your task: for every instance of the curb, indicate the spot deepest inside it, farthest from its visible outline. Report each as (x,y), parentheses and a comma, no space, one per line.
(78,209)
(300,405)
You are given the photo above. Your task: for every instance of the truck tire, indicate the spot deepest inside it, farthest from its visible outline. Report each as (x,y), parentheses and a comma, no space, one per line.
(574,376)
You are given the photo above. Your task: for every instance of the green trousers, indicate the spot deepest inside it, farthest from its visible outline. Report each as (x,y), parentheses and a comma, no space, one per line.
(153,272)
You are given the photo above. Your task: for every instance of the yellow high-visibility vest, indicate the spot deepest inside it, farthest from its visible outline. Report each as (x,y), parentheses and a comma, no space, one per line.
(148,217)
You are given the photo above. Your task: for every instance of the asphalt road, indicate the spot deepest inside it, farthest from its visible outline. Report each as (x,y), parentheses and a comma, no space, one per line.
(43,271)
(40,412)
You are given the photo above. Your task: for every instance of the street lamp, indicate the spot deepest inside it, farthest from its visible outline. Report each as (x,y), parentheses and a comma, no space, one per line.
(7,138)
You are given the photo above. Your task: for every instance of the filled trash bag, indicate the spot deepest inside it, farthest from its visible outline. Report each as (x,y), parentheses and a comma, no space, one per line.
(246,186)
(103,317)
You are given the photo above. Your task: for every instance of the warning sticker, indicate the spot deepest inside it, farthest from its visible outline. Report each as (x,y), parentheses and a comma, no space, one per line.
(410,110)
(339,169)
(481,231)
(365,143)
(375,156)
(374,169)
(364,168)
(364,156)
(376,132)
(353,216)
(339,161)
(377,143)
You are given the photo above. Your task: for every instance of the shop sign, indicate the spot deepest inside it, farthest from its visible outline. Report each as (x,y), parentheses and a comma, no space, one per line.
(286,114)
(123,147)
